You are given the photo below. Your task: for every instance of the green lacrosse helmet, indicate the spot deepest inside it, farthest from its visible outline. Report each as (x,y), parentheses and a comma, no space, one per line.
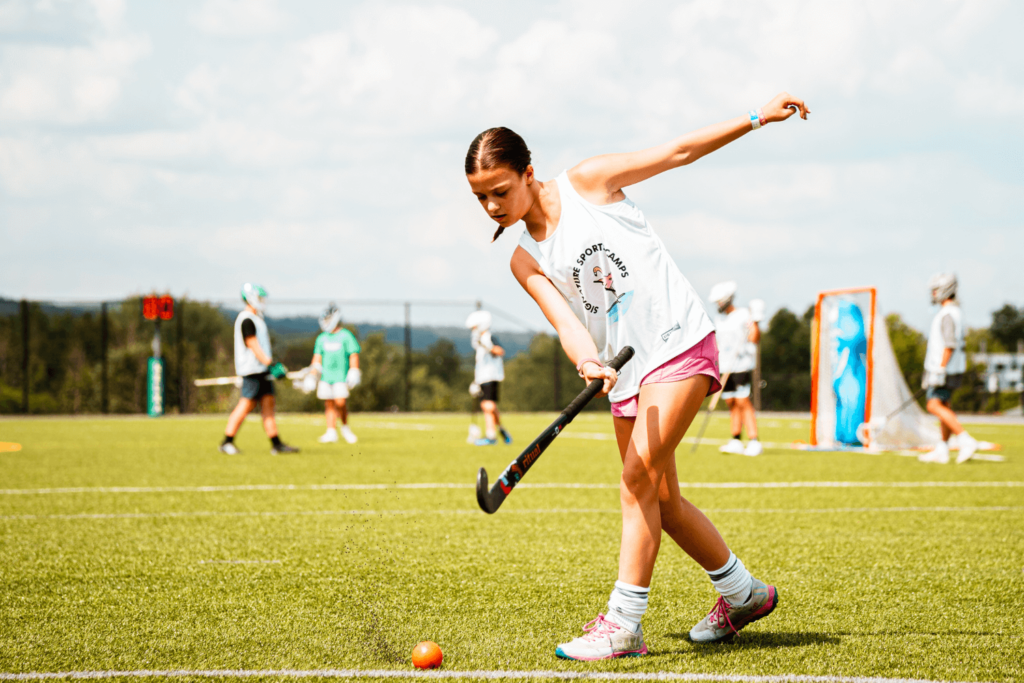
(255,296)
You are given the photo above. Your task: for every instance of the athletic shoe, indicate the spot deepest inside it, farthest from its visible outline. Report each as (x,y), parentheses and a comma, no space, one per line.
(349,436)
(506,436)
(229,448)
(330,436)
(754,447)
(938,455)
(968,446)
(486,442)
(282,449)
(603,640)
(734,446)
(725,620)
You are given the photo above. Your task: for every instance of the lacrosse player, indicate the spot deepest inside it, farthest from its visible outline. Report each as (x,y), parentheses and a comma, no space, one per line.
(738,335)
(334,372)
(254,364)
(489,372)
(944,365)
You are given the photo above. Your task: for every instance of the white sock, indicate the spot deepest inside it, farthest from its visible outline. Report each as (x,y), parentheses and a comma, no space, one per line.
(627,605)
(942,447)
(733,582)
(345,429)
(491,434)
(332,430)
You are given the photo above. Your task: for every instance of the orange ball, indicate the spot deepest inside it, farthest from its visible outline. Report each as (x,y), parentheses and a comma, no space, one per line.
(427,655)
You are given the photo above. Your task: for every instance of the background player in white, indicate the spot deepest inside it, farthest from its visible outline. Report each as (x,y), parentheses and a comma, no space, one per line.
(488,372)
(254,364)
(335,370)
(738,335)
(944,365)
(582,221)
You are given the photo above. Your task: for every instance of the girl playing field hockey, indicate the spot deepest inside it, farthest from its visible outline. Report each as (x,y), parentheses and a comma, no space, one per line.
(592,262)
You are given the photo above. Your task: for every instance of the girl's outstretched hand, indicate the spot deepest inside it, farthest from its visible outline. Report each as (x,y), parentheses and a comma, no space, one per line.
(592,371)
(783,106)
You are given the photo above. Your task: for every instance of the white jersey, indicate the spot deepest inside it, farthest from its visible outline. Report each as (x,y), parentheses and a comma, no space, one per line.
(245,359)
(620,281)
(736,353)
(937,345)
(489,368)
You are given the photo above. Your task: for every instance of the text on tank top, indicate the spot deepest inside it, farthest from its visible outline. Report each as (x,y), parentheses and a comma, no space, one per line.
(620,282)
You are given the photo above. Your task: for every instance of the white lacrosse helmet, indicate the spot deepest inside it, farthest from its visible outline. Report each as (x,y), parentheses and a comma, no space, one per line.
(255,296)
(722,294)
(479,320)
(756,307)
(942,286)
(330,319)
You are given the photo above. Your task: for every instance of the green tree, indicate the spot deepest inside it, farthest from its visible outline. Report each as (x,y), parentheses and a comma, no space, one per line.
(1008,326)
(908,345)
(530,379)
(786,361)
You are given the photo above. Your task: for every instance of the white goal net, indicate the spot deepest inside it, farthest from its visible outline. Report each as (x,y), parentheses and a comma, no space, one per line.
(856,383)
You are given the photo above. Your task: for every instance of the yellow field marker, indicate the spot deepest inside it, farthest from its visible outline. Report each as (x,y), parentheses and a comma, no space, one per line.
(8,447)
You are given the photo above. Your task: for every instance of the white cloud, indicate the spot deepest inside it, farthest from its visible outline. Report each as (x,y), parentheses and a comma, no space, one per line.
(239,17)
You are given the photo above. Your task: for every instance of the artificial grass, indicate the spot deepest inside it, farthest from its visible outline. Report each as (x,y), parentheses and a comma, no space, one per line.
(348,578)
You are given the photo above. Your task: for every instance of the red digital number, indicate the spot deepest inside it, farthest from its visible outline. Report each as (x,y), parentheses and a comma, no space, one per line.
(161,307)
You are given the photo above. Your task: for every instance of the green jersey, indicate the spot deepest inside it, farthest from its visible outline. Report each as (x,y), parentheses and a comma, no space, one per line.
(334,349)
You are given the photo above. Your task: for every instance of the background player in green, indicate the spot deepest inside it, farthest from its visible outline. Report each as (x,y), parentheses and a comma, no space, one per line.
(336,362)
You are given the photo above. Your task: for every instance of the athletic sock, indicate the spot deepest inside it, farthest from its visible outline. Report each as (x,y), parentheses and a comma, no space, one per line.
(627,605)
(228,439)
(737,436)
(491,434)
(276,440)
(733,582)
(505,434)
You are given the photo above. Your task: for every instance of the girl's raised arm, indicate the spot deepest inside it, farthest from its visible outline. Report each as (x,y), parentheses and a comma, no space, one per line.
(600,179)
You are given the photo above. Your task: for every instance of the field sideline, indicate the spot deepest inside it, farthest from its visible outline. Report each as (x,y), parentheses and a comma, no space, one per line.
(132,548)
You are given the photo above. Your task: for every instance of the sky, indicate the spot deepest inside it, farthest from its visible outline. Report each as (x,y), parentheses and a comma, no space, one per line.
(316,147)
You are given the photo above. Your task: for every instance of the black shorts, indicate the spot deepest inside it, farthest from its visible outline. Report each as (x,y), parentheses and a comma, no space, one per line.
(945,392)
(490,391)
(255,387)
(736,380)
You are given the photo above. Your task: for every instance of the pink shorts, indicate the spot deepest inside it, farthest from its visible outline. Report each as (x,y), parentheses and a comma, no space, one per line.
(700,359)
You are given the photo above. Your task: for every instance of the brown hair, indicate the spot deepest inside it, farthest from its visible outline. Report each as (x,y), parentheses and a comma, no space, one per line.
(497,147)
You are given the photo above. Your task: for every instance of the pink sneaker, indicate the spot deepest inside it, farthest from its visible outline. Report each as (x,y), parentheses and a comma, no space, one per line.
(604,640)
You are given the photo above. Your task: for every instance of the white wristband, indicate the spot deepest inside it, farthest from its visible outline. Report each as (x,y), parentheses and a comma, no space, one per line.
(755,120)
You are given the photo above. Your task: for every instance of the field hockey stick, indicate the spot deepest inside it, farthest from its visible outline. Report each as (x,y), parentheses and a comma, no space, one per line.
(491,500)
(707,414)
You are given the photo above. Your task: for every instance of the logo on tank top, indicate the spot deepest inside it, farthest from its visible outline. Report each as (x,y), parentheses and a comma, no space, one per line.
(602,279)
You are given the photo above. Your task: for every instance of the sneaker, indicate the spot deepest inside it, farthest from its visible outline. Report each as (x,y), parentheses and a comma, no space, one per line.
(349,436)
(725,620)
(282,449)
(330,436)
(603,640)
(229,448)
(754,447)
(938,455)
(734,446)
(506,436)
(486,442)
(968,446)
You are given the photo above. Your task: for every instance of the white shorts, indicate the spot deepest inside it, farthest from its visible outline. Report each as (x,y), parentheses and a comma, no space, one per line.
(742,391)
(329,391)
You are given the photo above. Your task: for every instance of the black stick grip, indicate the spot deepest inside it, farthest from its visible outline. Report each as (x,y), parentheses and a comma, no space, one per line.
(578,403)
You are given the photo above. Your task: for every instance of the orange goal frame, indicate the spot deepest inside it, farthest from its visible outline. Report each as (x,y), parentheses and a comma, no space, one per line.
(816,353)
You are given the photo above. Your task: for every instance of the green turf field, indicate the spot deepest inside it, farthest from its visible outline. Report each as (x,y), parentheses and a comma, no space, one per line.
(132,544)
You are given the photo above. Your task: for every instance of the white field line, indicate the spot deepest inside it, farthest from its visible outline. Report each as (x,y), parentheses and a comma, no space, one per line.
(532,511)
(442,485)
(472,675)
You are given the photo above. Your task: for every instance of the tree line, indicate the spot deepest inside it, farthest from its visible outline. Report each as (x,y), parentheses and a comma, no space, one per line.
(66,364)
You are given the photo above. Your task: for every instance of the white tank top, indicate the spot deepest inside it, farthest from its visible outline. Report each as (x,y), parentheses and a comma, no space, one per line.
(957,364)
(489,368)
(621,283)
(245,359)
(736,353)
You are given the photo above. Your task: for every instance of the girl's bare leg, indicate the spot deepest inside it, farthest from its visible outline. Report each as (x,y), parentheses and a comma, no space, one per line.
(735,415)
(237,415)
(749,418)
(649,482)
(330,413)
(269,423)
